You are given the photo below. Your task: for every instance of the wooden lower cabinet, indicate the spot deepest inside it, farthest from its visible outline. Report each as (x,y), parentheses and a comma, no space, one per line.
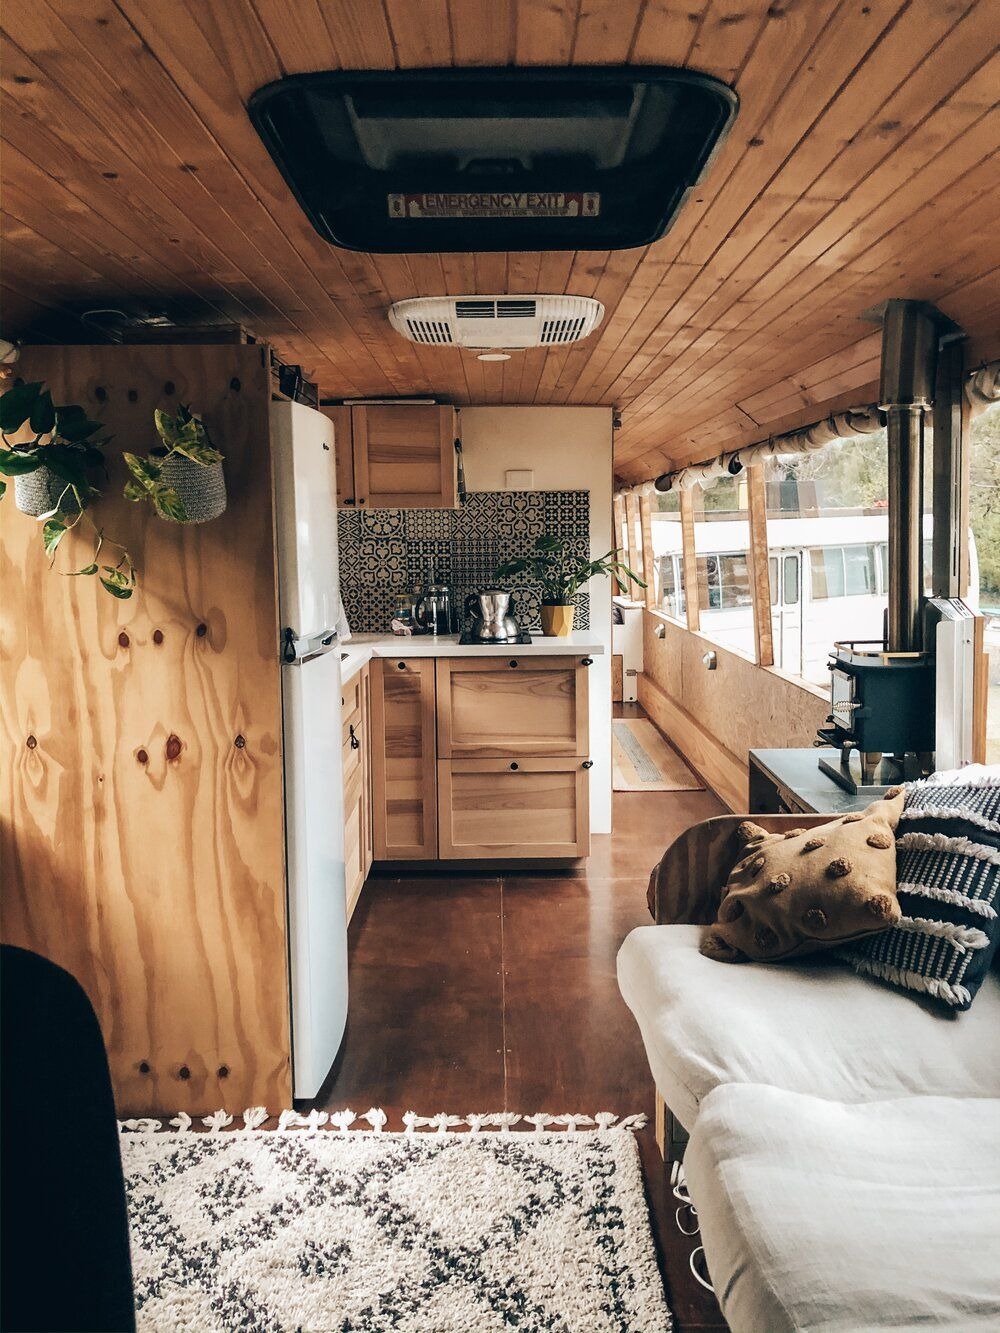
(357,785)
(511,808)
(404,785)
(480,757)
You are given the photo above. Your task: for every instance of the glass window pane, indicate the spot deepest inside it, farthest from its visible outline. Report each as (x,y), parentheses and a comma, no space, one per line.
(826,572)
(984,557)
(790,589)
(665,534)
(859,568)
(722,544)
(829,509)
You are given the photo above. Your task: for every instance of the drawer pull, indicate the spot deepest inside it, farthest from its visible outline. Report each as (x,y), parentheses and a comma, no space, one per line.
(512,662)
(400,666)
(587,661)
(514,767)
(355,743)
(587,763)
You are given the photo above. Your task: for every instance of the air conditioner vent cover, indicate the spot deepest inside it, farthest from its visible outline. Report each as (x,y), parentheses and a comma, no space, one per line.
(508,322)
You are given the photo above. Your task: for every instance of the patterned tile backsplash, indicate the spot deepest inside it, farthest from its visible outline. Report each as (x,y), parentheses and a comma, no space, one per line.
(387,551)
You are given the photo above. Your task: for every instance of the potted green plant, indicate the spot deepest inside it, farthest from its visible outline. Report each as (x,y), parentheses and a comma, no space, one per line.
(52,473)
(562,576)
(182,478)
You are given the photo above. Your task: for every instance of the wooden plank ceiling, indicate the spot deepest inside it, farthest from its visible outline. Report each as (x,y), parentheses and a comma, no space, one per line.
(862,166)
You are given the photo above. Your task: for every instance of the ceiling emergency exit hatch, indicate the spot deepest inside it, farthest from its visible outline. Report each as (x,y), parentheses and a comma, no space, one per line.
(506,159)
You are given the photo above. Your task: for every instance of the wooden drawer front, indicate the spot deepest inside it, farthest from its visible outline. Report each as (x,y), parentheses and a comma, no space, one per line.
(403,777)
(355,814)
(352,693)
(512,706)
(513,808)
(404,456)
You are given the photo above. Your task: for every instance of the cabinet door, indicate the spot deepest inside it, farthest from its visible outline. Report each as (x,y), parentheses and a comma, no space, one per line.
(343,446)
(366,751)
(499,706)
(404,457)
(404,786)
(355,870)
(513,808)
(355,744)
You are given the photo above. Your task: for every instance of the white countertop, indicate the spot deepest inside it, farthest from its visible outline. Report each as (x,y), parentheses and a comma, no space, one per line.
(361,648)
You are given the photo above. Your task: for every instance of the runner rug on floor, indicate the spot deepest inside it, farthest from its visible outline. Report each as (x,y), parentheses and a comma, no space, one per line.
(643,761)
(365,1231)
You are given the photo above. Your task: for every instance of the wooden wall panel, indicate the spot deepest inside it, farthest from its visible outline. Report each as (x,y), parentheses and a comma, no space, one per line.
(141,825)
(716,717)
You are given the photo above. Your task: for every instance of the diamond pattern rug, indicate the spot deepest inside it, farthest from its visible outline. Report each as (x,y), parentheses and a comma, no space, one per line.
(368,1232)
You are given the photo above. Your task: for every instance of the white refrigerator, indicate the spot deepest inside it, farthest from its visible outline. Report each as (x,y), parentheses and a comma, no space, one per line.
(305,490)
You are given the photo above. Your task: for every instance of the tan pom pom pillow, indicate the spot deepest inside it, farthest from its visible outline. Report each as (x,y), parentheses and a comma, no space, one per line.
(799,892)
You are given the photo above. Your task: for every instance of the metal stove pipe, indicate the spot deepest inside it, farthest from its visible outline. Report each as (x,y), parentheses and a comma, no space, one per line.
(906,393)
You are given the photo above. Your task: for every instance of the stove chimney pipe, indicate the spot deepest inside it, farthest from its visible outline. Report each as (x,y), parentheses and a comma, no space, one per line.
(906,393)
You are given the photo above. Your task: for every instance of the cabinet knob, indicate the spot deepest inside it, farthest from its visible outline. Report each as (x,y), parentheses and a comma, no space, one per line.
(514,767)
(512,662)
(587,763)
(361,501)
(400,666)
(587,661)
(349,500)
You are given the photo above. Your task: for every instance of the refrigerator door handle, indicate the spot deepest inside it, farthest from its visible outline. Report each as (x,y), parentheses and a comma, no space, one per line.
(296,651)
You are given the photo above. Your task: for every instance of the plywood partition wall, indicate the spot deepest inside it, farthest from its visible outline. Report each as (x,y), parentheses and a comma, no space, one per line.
(141,827)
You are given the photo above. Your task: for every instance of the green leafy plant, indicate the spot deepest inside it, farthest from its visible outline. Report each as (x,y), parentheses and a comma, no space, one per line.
(563,575)
(63,441)
(184,436)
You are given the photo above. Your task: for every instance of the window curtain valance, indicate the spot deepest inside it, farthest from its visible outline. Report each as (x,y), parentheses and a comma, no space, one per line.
(982,390)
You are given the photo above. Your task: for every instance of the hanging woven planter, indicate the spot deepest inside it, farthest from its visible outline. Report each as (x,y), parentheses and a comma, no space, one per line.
(39,492)
(201,488)
(182,478)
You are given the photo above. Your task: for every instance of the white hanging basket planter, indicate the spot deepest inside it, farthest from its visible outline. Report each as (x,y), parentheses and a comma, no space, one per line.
(202,489)
(38,492)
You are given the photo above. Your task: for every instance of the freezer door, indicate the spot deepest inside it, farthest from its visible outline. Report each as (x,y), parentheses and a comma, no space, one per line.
(305,496)
(314,833)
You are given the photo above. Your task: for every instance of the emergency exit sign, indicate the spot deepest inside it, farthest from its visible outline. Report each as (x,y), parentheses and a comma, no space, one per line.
(496,204)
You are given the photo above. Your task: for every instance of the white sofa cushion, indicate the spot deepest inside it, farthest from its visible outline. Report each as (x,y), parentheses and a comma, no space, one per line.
(816,1215)
(813,1026)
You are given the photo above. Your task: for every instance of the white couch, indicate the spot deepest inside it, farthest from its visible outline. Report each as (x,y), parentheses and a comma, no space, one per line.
(844,1153)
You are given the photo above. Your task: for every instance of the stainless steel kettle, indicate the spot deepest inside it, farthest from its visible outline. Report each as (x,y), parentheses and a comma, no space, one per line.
(490,620)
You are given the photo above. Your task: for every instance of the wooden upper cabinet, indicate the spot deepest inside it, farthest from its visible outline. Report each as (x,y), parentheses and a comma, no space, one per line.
(512,706)
(404,782)
(404,457)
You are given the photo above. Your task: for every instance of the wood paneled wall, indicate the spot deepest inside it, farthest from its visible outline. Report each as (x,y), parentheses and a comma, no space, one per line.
(141,824)
(716,717)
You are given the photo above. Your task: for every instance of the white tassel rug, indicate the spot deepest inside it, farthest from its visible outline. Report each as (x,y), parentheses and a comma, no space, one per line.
(320,1226)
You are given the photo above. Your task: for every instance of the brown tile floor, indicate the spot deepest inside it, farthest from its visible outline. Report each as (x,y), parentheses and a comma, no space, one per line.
(499,992)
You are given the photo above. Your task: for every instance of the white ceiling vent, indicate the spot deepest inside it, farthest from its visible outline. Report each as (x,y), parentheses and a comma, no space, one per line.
(510,322)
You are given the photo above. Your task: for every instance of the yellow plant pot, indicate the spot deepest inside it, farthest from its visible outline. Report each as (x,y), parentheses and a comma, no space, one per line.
(557,620)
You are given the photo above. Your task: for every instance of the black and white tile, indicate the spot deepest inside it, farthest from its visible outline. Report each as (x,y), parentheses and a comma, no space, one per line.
(387,551)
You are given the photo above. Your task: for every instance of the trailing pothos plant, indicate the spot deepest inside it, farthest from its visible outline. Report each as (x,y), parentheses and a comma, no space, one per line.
(182,436)
(63,442)
(560,574)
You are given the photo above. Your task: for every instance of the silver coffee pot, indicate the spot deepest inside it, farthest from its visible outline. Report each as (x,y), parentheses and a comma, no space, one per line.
(491,622)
